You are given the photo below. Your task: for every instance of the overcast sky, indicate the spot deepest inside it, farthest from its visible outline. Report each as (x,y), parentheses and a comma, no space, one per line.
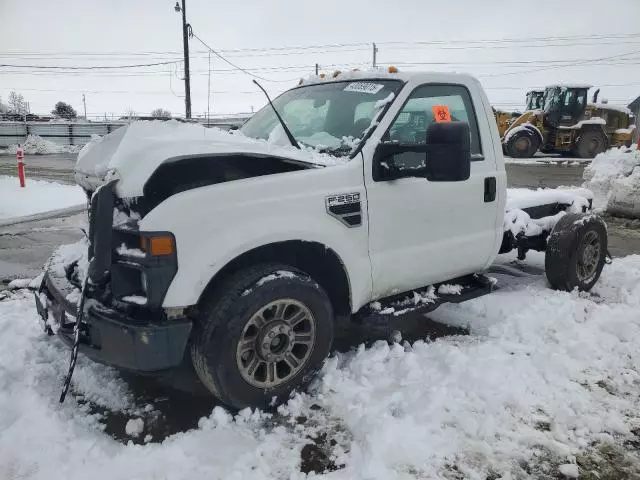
(535,43)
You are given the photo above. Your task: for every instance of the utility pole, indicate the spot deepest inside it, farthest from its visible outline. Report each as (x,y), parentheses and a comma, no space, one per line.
(209,89)
(317,68)
(84,101)
(375,51)
(185,43)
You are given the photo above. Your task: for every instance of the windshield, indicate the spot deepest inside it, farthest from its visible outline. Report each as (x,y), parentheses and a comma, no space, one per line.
(552,98)
(331,117)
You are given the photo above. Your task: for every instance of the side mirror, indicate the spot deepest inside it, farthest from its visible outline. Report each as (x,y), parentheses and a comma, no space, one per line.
(444,157)
(449,152)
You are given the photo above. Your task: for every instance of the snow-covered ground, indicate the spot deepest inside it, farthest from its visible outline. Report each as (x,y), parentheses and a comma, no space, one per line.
(37,197)
(614,178)
(543,377)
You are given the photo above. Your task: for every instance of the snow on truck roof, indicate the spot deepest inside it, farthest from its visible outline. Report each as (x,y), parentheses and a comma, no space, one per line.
(390,73)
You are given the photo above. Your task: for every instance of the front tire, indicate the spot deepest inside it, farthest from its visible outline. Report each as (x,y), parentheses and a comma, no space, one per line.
(523,144)
(261,335)
(576,252)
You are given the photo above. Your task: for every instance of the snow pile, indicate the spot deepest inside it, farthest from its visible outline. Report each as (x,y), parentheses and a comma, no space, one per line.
(448,289)
(614,177)
(35,145)
(38,196)
(65,255)
(134,427)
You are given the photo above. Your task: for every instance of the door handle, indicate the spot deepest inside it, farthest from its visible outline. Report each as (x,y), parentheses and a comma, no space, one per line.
(489,189)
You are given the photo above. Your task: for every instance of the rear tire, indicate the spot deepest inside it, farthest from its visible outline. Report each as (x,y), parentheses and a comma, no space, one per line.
(590,144)
(576,252)
(523,144)
(264,333)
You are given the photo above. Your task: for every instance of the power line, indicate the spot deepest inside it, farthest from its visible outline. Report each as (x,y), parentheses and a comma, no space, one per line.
(92,67)
(588,38)
(237,67)
(594,60)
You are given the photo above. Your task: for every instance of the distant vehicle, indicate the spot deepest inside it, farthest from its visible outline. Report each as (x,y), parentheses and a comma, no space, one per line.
(567,124)
(367,193)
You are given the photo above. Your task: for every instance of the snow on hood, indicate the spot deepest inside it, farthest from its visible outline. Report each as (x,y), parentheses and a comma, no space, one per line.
(132,153)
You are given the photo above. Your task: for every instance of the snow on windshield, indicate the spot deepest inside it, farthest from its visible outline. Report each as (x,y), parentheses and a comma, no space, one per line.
(330,116)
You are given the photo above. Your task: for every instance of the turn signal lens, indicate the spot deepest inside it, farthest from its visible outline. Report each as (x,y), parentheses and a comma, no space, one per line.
(161,245)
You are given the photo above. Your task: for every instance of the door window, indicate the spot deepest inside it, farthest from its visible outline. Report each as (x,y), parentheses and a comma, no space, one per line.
(410,126)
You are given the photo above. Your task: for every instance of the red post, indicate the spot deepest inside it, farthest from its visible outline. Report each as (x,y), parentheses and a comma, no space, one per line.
(20,157)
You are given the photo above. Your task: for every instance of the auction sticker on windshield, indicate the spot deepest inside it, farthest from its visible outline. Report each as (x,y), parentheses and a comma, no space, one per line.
(364,87)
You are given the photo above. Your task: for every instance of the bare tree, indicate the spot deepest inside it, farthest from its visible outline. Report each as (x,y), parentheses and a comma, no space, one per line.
(160,113)
(17,104)
(3,107)
(130,113)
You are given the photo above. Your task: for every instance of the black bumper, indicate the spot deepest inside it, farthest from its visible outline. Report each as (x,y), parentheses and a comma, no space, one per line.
(111,337)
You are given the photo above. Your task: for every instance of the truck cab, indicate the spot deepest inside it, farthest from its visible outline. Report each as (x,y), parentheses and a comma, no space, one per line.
(364,192)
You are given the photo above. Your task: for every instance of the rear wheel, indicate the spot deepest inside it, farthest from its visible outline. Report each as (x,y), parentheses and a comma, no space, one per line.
(523,144)
(590,144)
(576,252)
(263,334)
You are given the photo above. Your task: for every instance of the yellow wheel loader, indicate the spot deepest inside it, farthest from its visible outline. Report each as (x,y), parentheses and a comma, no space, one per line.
(567,124)
(505,119)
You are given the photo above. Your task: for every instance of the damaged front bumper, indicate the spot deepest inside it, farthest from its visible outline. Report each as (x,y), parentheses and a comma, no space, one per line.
(109,336)
(123,322)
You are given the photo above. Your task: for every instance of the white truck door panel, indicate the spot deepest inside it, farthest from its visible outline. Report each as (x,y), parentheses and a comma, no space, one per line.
(422,232)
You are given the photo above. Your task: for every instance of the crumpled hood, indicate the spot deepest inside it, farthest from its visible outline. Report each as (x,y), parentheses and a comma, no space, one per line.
(133,152)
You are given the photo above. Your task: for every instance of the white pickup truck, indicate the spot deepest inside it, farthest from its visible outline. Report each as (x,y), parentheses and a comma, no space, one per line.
(369,192)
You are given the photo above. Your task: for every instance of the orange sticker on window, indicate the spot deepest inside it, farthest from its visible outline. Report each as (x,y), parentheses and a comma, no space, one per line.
(441,113)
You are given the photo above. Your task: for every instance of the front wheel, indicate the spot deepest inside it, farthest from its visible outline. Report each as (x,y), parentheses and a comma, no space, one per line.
(263,334)
(522,144)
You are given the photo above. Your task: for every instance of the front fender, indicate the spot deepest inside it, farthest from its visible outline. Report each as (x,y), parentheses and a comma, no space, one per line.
(215,224)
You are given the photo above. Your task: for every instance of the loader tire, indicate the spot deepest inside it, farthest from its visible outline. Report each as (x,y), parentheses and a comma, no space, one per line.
(523,144)
(576,252)
(265,332)
(590,144)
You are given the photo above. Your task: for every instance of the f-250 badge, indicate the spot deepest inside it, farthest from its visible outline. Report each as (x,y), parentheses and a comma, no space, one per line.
(345,207)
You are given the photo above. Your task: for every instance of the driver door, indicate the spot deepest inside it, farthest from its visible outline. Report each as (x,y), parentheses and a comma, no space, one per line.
(422,232)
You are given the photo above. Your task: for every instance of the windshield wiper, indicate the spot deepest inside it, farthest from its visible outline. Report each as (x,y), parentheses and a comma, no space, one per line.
(284,125)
